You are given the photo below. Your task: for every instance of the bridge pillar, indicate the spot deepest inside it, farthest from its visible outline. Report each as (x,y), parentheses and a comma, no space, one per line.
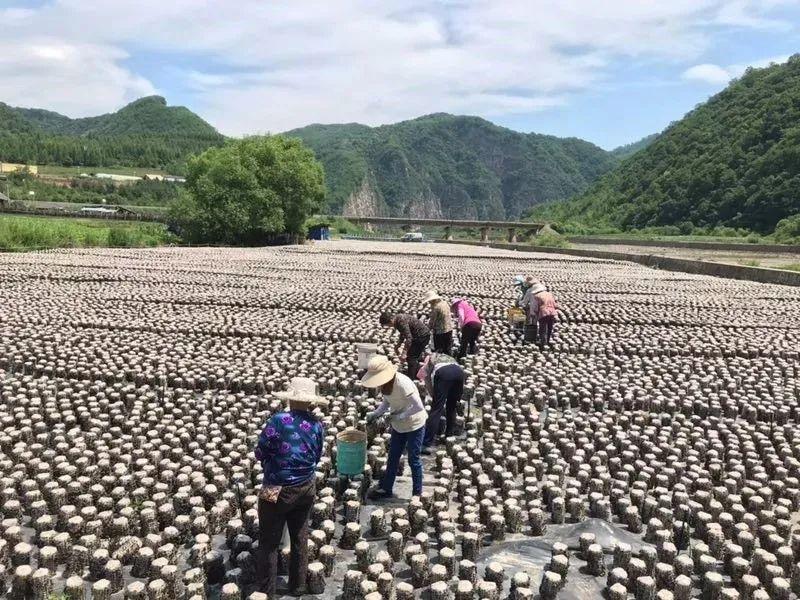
(485,233)
(512,235)
(448,235)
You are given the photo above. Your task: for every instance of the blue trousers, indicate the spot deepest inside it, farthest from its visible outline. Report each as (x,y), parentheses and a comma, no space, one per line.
(399,442)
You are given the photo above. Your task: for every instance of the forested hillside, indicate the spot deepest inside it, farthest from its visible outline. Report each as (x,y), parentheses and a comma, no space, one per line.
(445,165)
(733,161)
(146,133)
(631,149)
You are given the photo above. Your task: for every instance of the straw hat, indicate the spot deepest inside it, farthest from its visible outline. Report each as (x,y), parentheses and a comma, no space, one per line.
(538,287)
(302,392)
(431,296)
(379,372)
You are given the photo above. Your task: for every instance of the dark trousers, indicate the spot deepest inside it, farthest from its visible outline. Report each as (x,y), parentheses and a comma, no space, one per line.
(469,339)
(399,442)
(414,356)
(546,329)
(448,388)
(443,342)
(291,509)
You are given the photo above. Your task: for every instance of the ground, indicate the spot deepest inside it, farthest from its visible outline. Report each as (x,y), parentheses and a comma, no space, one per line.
(134,383)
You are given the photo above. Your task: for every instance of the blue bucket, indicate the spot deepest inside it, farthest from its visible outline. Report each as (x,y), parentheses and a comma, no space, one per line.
(351,452)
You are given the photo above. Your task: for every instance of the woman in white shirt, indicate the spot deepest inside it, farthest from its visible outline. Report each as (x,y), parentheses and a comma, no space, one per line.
(407,417)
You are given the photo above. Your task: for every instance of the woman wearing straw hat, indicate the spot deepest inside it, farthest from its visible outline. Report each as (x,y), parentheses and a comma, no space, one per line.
(440,323)
(407,417)
(289,449)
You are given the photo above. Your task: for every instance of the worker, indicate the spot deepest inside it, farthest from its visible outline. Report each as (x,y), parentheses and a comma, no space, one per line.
(440,323)
(530,305)
(289,450)
(519,287)
(469,325)
(414,338)
(444,382)
(547,309)
(407,419)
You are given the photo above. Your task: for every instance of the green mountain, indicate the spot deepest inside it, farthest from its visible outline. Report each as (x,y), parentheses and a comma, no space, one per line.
(145,133)
(623,152)
(451,166)
(732,161)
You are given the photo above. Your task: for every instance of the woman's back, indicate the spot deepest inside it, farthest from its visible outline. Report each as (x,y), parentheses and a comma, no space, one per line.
(289,447)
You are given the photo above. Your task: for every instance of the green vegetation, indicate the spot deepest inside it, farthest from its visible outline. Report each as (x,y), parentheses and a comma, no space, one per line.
(249,190)
(146,133)
(733,161)
(60,171)
(791,267)
(787,231)
(460,167)
(34,233)
(550,240)
(338,225)
(623,152)
(94,191)
(750,262)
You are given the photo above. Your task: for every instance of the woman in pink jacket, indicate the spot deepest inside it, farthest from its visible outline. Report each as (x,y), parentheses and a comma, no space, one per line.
(469,324)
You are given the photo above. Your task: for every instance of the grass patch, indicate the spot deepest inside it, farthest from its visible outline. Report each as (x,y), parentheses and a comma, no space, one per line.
(750,262)
(19,233)
(550,240)
(791,267)
(76,171)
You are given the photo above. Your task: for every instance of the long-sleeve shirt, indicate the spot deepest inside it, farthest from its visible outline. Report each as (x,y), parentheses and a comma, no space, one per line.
(289,447)
(531,305)
(440,321)
(466,313)
(408,413)
(410,328)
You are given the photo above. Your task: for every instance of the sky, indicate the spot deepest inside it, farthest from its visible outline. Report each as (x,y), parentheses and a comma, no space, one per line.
(608,71)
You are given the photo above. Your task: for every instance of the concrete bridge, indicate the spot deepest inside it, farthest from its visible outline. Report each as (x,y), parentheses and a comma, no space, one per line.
(527,228)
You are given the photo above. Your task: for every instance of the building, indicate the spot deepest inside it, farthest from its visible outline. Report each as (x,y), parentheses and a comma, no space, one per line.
(115,177)
(15,167)
(320,232)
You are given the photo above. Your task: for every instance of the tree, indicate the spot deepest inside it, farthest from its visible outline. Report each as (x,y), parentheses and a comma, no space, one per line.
(249,189)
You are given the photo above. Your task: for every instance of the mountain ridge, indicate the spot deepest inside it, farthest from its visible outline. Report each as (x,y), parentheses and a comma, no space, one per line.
(733,161)
(442,165)
(143,133)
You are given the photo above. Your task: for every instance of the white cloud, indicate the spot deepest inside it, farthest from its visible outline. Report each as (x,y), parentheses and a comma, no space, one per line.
(78,79)
(258,65)
(717,75)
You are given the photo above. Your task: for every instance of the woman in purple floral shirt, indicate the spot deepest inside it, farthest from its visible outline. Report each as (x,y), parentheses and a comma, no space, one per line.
(289,449)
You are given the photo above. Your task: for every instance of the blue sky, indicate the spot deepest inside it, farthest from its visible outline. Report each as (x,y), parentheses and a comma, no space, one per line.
(609,72)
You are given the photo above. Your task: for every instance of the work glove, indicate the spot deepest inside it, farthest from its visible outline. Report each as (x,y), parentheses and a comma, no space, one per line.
(371,418)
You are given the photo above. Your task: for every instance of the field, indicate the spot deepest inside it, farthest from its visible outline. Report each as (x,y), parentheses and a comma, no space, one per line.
(38,233)
(76,171)
(653,447)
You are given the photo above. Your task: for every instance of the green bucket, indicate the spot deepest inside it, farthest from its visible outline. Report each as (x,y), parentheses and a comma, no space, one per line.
(351,452)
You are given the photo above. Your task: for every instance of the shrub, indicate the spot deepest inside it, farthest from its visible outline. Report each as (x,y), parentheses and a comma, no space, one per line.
(787,231)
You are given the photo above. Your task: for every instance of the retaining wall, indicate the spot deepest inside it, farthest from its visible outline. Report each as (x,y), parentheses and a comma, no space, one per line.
(713,246)
(666,263)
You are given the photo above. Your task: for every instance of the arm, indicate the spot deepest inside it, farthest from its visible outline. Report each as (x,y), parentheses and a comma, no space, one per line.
(382,408)
(414,406)
(461,315)
(265,449)
(405,334)
(320,440)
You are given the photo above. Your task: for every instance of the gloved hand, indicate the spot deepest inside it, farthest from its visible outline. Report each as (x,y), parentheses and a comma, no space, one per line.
(371,417)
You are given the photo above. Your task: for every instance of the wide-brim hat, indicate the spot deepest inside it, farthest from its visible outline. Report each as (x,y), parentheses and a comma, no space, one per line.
(380,371)
(431,296)
(538,287)
(302,390)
